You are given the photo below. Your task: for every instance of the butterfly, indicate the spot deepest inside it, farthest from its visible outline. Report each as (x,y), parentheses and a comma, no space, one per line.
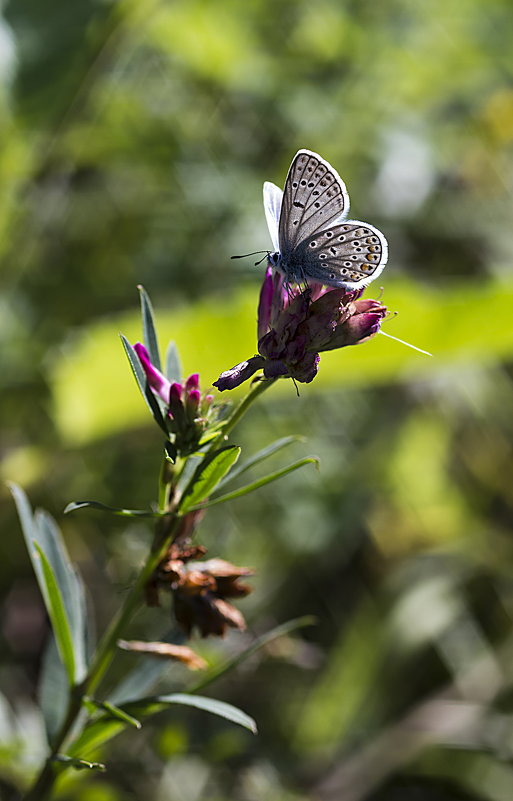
(312,238)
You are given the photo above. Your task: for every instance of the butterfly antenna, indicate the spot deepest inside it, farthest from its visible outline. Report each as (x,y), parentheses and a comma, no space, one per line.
(263,258)
(408,345)
(255,253)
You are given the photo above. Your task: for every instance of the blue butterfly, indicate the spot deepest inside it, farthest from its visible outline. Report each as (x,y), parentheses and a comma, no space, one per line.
(312,238)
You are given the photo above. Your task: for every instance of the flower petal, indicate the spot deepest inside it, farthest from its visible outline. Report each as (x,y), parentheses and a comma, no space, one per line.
(156,380)
(238,374)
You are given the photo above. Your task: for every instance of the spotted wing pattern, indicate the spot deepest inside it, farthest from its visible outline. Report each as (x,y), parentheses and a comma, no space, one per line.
(314,195)
(349,254)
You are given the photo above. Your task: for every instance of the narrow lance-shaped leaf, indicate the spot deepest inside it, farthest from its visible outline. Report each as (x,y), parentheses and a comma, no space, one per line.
(78,764)
(220,708)
(258,457)
(57,614)
(140,377)
(74,505)
(149,330)
(208,475)
(261,482)
(70,586)
(111,710)
(53,690)
(42,528)
(173,365)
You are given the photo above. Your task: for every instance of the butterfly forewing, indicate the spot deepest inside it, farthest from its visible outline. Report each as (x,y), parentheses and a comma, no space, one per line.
(349,254)
(314,195)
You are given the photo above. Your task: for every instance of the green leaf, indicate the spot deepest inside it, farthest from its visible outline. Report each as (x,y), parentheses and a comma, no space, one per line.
(77,763)
(191,466)
(208,474)
(112,711)
(173,366)
(149,331)
(42,529)
(220,708)
(53,690)
(74,505)
(70,585)
(57,613)
(261,482)
(258,457)
(142,383)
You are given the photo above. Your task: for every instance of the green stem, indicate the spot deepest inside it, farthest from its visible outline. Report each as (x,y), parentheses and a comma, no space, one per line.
(106,648)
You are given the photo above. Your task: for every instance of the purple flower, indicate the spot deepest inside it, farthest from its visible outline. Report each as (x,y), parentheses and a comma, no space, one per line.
(295,325)
(158,382)
(188,413)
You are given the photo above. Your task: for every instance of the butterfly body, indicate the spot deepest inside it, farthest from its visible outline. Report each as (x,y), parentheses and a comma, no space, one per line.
(313,240)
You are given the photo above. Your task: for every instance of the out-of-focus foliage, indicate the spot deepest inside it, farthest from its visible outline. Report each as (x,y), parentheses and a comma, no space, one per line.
(135,139)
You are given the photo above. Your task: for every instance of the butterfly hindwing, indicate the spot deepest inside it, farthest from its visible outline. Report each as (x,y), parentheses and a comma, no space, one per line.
(347,254)
(314,195)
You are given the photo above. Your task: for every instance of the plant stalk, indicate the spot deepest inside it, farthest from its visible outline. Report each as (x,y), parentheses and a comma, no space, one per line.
(106,649)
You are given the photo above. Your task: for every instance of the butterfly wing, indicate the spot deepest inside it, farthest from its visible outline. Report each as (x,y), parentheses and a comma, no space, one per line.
(272,205)
(314,196)
(349,254)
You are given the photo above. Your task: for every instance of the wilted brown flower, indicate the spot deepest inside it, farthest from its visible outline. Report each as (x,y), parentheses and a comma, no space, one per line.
(200,590)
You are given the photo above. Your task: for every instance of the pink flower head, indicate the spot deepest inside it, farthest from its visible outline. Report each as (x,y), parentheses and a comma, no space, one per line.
(188,414)
(295,326)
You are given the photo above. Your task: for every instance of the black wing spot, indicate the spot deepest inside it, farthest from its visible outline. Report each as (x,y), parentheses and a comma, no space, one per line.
(354,257)
(322,256)
(313,244)
(295,222)
(299,205)
(294,184)
(311,184)
(303,183)
(342,238)
(333,250)
(315,193)
(329,234)
(317,205)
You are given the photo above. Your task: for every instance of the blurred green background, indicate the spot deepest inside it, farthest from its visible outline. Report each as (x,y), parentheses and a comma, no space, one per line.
(135,139)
